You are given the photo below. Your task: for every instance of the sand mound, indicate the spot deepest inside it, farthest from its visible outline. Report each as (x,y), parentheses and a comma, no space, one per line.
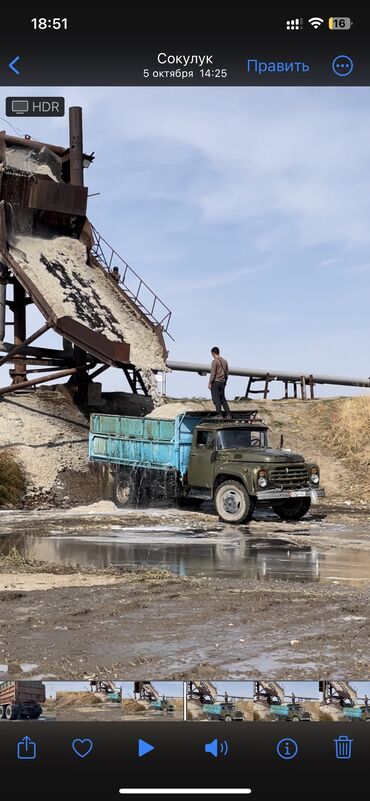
(47,436)
(168,411)
(329,712)
(65,699)
(131,707)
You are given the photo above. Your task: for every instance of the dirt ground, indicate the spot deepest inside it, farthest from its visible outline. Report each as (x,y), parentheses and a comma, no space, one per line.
(125,624)
(82,706)
(73,620)
(141,710)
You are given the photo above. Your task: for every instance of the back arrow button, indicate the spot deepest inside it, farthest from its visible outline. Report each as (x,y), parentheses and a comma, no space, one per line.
(12,64)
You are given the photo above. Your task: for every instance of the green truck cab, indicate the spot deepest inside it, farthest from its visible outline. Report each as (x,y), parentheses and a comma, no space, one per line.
(197,457)
(162,704)
(232,463)
(226,711)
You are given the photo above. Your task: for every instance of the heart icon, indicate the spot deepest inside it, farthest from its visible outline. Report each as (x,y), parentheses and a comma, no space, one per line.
(82,747)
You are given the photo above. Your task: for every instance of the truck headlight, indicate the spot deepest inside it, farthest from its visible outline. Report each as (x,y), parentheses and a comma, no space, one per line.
(315,476)
(262,480)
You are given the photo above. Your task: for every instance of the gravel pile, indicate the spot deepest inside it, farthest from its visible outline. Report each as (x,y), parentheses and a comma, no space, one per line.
(47,436)
(168,411)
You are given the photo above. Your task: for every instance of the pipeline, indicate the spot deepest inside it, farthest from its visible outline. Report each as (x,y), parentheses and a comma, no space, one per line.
(273,375)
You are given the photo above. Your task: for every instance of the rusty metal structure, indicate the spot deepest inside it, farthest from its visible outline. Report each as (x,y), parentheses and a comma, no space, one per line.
(268,692)
(338,692)
(59,205)
(145,691)
(202,691)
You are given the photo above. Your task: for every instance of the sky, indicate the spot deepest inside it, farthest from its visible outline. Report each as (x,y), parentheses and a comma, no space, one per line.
(173,689)
(239,689)
(245,209)
(242,689)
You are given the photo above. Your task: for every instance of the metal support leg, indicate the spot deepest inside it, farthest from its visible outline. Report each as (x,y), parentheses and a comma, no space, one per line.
(250,381)
(19,309)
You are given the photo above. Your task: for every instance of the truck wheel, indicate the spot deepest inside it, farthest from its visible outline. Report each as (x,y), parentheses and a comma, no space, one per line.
(10,712)
(36,712)
(292,508)
(228,719)
(233,504)
(126,490)
(295,719)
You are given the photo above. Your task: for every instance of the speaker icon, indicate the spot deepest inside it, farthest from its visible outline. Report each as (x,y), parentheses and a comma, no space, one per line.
(217,748)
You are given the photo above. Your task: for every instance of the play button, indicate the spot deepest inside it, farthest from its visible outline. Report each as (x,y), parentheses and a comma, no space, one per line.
(144,748)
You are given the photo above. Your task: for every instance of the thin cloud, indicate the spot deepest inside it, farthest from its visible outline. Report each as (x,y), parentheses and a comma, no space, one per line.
(212,281)
(330,262)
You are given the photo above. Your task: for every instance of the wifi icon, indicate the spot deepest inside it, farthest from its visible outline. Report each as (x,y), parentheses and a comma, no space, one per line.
(316,22)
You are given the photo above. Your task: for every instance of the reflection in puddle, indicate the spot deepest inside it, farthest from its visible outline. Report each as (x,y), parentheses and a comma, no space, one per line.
(192,552)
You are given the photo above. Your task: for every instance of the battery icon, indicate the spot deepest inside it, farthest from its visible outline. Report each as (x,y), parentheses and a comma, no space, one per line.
(340,23)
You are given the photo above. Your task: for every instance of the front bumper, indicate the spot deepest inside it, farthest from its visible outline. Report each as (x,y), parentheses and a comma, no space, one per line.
(277,494)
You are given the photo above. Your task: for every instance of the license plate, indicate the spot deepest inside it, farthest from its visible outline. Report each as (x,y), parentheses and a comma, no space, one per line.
(297,494)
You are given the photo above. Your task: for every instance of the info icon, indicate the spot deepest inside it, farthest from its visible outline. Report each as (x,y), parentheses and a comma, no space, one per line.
(287,748)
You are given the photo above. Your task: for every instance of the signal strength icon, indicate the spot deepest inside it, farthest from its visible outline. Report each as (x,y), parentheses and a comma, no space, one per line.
(294,24)
(316,22)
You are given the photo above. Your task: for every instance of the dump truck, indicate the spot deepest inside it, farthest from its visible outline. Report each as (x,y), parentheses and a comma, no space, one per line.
(294,713)
(196,457)
(21,699)
(163,705)
(225,711)
(357,713)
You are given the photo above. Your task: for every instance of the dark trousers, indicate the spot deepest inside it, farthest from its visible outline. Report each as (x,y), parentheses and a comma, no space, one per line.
(218,397)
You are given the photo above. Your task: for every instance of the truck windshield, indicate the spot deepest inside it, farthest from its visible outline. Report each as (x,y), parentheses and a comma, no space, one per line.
(242,438)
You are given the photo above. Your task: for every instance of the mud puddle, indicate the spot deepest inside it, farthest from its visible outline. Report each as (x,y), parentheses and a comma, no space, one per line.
(224,553)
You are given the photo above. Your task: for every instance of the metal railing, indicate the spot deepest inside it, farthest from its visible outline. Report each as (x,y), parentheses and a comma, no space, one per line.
(134,286)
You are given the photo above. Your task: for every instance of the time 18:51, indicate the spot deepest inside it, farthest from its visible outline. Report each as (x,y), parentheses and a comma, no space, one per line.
(42,23)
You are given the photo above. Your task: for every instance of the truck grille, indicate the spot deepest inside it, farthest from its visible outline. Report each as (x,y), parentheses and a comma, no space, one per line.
(289,476)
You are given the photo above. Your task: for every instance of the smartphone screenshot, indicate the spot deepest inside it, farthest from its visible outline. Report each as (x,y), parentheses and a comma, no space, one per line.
(184,402)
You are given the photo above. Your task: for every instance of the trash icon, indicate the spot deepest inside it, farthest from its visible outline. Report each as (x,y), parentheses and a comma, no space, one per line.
(343,747)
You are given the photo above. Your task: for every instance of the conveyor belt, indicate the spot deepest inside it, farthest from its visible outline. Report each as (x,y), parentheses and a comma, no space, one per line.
(71,289)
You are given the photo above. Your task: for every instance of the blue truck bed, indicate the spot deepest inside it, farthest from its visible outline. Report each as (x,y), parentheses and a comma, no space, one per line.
(352,712)
(143,441)
(279,709)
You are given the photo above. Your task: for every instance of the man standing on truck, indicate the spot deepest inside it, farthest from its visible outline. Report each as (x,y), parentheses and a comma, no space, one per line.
(217,382)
